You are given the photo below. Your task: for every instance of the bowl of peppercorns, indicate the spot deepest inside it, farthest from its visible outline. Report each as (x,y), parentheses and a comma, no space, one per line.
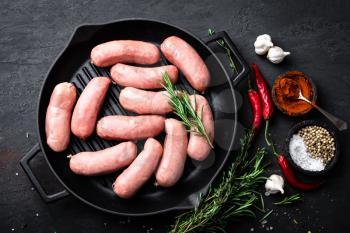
(312,147)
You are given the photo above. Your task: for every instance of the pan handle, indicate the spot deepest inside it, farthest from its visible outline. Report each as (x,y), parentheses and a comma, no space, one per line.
(242,66)
(26,167)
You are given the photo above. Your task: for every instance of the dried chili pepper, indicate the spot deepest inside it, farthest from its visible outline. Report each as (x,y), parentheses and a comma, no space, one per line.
(265,97)
(255,104)
(288,173)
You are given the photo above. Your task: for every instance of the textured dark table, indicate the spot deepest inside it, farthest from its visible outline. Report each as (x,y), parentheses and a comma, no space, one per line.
(32,33)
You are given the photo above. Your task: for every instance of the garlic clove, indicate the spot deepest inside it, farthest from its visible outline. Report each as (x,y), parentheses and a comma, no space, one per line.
(262,44)
(274,184)
(276,54)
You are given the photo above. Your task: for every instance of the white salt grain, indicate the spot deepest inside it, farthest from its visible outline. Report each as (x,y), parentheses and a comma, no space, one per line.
(299,154)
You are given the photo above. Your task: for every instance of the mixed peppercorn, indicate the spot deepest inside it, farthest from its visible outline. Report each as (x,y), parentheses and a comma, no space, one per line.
(319,142)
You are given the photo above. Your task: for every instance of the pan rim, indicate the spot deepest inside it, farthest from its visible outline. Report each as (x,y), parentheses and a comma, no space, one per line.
(41,141)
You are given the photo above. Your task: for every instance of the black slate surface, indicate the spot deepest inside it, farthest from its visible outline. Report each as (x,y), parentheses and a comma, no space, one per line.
(32,33)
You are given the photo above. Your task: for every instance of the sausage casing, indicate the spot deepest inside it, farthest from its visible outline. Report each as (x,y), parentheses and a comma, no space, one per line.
(174,156)
(88,106)
(119,127)
(58,116)
(145,102)
(198,147)
(142,77)
(185,57)
(141,169)
(124,51)
(104,161)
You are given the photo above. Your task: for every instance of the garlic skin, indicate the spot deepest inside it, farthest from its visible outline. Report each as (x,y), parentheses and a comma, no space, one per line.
(276,55)
(262,44)
(274,184)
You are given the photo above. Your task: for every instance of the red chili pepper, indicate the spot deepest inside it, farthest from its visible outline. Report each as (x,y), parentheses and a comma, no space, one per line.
(255,104)
(265,97)
(288,173)
(290,176)
(264,93)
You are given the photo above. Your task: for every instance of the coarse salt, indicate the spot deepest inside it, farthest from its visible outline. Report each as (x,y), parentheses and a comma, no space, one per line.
(299,154)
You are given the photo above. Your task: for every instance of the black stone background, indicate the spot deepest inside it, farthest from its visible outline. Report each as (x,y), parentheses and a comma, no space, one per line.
(32,33)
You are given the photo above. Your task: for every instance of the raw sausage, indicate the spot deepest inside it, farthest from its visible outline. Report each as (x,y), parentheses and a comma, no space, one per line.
(198,147)
(142,77)
(183,55)
(137,174)
(125,51)
(88,106)
(104,161)
(145,102)
(58,116)
(174,156)
(119,127)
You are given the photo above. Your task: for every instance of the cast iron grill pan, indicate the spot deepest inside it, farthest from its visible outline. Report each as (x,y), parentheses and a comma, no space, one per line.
(73,65)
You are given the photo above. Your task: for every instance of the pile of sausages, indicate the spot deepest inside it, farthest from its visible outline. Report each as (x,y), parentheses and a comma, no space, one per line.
(66,114)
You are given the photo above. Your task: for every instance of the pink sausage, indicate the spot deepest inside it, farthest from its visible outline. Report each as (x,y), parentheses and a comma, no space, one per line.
(88,106)
(137,174)
(174,156)
(119,127)
(142,77)
(145,102)
(125,51)
(198,147)
(104,161)
(58,116)
(183,55)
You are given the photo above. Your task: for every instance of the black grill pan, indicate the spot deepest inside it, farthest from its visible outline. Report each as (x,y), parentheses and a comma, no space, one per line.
(73,65)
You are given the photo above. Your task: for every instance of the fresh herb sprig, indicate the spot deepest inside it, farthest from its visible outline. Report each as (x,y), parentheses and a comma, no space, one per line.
(234,196)
(289,200)
(223,45)
(180,101)
(266,215)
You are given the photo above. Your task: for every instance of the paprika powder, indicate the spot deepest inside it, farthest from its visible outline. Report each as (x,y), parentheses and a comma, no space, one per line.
(285,92)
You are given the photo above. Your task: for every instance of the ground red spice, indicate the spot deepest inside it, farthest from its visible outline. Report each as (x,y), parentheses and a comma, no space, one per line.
(285,92)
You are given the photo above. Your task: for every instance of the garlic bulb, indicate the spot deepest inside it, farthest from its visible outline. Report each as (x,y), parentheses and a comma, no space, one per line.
(274,184)
(276,55)
(262,44)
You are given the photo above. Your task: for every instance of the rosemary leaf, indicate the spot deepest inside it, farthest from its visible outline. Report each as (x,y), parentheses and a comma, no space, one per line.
(266,215)
(211,31)
(223,45)
(180,101)
(289,200)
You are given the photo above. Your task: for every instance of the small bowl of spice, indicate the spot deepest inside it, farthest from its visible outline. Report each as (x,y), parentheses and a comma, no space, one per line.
(286,90)
(312,147)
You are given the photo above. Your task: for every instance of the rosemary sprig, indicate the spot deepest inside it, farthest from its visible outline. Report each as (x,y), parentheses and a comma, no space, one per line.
(266,215)
(180,101)
(234,196)
(223,45)
(289,200)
